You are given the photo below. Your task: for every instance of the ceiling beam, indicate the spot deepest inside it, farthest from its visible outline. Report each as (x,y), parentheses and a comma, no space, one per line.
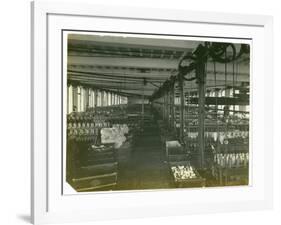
(106,83)
(118,87)
(121,71)
(220,76)
(120,65)
(128,62)
(132,42)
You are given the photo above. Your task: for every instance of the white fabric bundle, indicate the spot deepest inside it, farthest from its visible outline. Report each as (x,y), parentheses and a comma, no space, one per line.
(115,135)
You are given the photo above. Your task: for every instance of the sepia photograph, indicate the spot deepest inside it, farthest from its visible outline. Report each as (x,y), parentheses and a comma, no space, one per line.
(150,112)
(145,112)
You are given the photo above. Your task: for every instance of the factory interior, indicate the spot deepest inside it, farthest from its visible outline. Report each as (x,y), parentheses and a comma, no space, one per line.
(156,112)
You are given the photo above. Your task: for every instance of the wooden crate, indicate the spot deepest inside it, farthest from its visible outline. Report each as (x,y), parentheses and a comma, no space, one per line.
(96,177)
(94,183)
(198,181)
(190,183)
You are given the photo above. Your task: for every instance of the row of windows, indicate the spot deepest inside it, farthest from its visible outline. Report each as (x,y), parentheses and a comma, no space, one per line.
(79,98)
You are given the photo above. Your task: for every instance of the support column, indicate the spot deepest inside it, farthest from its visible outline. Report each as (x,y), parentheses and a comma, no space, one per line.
(82,94)
(102,98)
(95,98)
(164,106)
(200,74)
(86,103)
(90,97)
(181,83)
(105,99)
(69,99)
(75,98)
(109,98)
(142,105)
(172,102)
(78,99)
(168,107)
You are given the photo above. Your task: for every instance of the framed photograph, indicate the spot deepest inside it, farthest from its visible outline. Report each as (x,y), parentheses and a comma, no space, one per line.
(140,112)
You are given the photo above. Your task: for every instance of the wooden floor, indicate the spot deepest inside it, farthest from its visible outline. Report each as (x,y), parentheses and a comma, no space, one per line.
(146,168)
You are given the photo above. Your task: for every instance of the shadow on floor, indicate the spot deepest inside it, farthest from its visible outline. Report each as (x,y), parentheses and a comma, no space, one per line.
(25,218)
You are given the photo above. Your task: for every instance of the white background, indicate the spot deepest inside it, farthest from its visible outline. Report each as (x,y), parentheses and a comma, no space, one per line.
(15,109)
